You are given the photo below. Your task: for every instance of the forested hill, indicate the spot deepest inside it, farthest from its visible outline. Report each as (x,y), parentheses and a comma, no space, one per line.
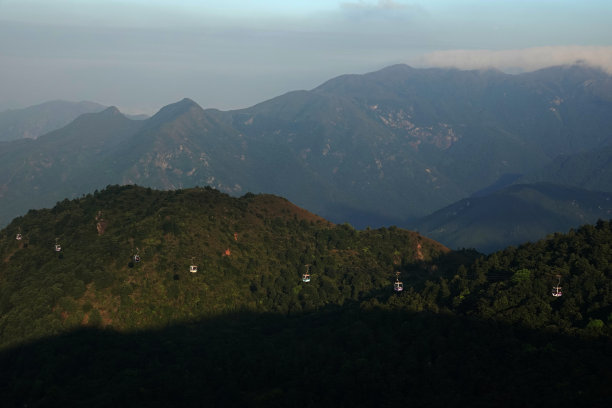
(250,254)
(245,329)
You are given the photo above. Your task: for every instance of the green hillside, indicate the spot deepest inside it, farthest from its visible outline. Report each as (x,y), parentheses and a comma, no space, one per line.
(89,326)
(250,253)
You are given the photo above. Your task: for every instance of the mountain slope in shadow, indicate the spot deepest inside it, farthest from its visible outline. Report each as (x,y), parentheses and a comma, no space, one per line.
(514,215)
(341,357)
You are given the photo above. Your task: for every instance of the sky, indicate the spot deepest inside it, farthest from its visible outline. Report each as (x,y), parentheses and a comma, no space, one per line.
(141,55)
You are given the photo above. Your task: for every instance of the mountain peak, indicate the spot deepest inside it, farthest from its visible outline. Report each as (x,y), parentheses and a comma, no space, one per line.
(170,112)
(110,113)
(184,104)
(396,68)
(188,100)
(111,110)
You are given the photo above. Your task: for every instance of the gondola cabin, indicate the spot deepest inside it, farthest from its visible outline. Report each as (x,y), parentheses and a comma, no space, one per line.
(556,290)
(18,237)
(136,258)
(58,248)
(306,275)
(193,268)
(397,285)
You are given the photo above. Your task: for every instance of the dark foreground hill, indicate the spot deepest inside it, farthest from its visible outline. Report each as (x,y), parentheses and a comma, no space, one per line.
(342,358)
(90,326)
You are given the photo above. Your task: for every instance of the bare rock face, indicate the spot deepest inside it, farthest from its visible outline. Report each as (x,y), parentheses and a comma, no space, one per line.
(100,223)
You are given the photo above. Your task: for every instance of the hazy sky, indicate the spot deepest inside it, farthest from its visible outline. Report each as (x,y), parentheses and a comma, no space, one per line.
(140,55)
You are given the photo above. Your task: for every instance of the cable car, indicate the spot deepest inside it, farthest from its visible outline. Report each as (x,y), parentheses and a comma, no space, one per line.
(58,247)
(306,275)
(398,286)
(556,290)
(193,268)
(136,257)
(18,237)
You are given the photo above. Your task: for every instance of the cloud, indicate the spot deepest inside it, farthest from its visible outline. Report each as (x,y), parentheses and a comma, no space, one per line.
(519,60)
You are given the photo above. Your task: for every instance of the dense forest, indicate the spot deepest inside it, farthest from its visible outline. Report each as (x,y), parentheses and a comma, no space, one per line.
(99,305)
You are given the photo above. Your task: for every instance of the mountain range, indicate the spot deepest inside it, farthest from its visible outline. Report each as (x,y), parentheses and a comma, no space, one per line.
(383,148)
(37,120)
(34,121)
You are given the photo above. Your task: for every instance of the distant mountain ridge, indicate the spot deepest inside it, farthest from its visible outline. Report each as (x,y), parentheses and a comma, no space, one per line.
(37,120)
(514,215)
(386,147)
(64,163)
(440,134)
(591,170)
(33,121)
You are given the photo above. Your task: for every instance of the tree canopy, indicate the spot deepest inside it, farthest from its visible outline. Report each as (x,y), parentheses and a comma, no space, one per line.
(245,329)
